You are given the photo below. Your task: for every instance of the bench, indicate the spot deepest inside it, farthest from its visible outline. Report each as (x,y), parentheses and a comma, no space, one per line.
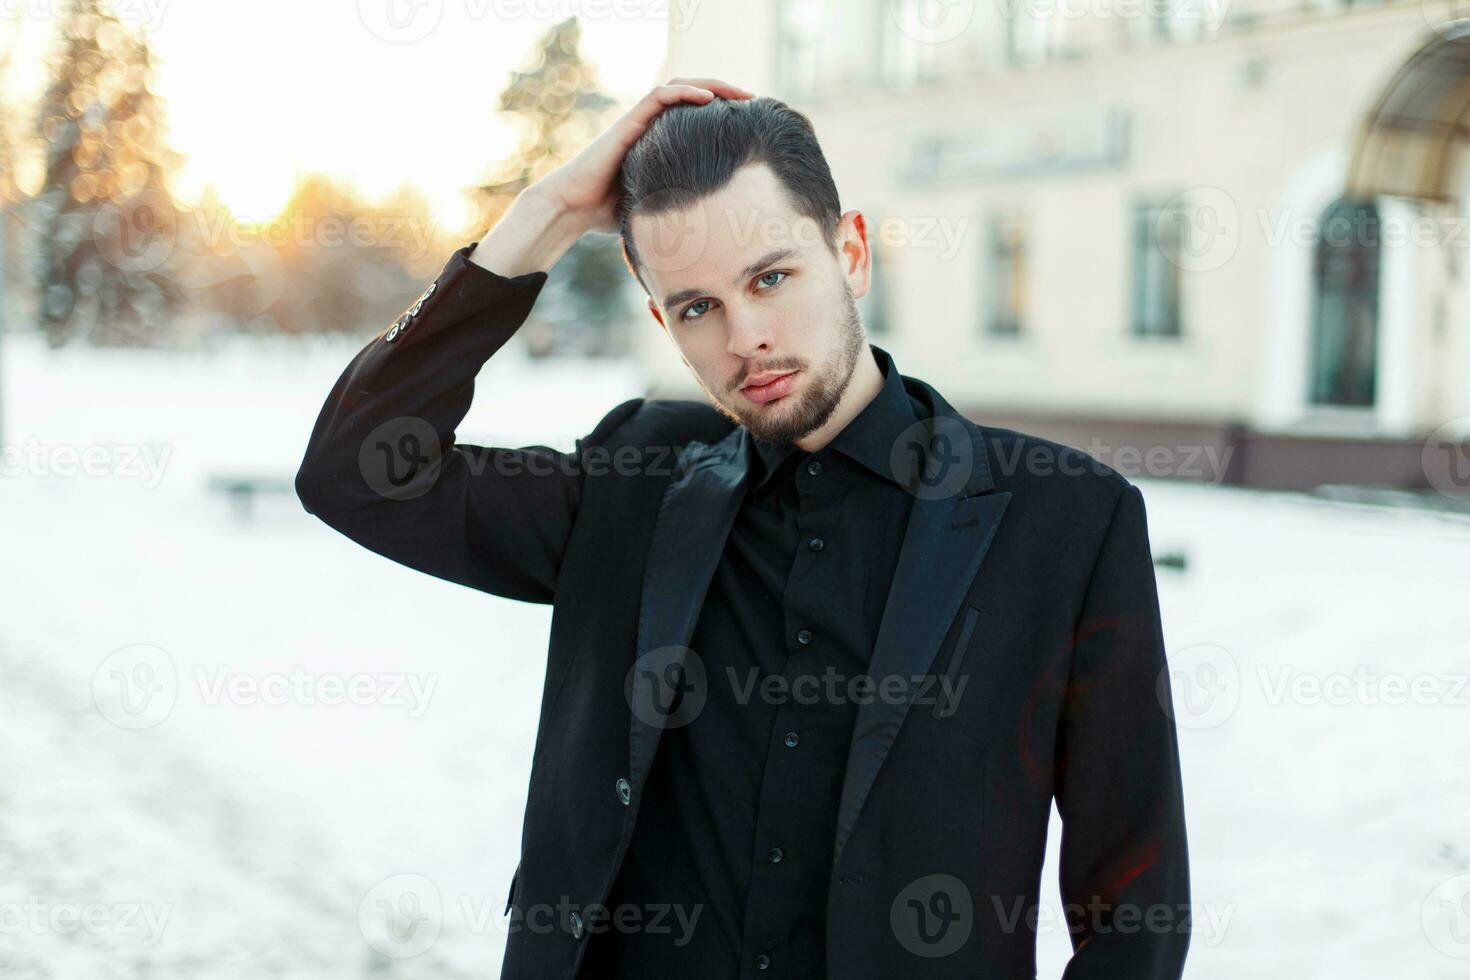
(242,490)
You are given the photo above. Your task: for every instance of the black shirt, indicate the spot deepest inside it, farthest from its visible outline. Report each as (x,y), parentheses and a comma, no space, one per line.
(728,868)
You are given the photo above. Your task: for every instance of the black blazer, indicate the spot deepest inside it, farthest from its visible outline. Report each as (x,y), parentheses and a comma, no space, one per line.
(1025,575)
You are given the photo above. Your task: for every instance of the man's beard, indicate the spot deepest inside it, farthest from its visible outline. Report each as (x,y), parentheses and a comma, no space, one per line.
(783,423)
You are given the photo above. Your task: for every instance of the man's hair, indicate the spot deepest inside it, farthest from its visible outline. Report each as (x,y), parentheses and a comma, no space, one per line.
(691,151)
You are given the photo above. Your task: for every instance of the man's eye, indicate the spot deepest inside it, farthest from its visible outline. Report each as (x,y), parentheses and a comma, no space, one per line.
(692,311)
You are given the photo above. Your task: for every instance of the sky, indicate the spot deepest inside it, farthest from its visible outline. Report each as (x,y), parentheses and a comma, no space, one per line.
(380,92)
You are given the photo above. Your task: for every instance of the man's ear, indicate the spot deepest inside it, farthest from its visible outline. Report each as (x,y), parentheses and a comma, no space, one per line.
(857,250)
(653,308)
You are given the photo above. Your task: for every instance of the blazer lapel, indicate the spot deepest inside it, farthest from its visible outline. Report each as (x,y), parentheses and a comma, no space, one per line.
(688,538)
(952,520)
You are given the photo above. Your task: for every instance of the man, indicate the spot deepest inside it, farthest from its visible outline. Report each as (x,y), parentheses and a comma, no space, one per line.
(823,651)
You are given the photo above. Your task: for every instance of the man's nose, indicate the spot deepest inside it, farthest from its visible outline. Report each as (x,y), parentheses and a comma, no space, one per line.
(750,332)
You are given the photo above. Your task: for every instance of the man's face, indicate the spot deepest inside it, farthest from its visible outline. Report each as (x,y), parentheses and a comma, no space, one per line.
(748,290)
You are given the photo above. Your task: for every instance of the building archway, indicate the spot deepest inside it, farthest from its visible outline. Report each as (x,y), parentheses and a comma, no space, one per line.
(1412,145)
(1413,140)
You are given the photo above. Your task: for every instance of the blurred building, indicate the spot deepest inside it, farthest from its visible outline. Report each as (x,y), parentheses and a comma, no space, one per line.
(1153,223)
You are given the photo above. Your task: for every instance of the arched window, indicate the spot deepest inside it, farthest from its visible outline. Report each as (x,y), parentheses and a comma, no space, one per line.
(1344,357)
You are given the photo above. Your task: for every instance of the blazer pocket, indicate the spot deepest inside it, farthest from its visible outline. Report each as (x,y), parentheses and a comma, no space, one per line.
(942,707)
(511,895)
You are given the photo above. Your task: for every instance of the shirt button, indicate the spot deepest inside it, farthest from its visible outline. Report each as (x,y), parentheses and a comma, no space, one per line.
(776,855)
(791,739)
(763,962)
(816,544)
(814,467)
(625,791)
(803,637)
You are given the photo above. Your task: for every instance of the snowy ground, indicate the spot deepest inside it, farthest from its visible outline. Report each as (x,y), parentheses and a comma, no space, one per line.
(208,832)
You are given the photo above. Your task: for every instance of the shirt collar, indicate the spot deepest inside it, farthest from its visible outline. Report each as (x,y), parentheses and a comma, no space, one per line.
(868,439)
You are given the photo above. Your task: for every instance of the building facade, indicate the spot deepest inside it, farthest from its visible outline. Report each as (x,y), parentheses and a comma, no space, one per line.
(1232,233)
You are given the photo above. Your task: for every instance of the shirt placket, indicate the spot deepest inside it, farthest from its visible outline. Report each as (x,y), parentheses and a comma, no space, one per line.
(779,835)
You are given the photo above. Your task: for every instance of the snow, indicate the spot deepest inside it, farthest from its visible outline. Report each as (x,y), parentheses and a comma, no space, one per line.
(228,831)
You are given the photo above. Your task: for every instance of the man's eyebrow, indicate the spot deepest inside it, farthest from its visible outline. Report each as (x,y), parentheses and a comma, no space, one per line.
(770,258)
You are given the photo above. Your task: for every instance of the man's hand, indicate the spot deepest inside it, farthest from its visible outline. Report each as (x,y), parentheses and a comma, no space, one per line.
(586,185)
(581,195)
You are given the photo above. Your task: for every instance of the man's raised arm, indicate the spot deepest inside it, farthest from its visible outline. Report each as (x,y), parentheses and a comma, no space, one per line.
(382,465)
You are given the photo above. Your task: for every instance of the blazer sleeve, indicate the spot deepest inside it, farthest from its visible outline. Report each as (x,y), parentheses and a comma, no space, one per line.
(1124,864)
(382,465)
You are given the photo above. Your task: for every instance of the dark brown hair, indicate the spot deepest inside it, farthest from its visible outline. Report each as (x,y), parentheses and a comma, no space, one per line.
(691,151)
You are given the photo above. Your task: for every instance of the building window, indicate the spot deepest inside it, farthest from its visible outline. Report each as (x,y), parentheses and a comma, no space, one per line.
(799,32)
(1180,21)
(1004,276)
(822,47)
(1344,356)
(1032,35)
(1159,234)
(910,48)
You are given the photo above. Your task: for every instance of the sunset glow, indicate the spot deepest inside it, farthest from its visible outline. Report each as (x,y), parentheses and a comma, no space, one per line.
(256,97)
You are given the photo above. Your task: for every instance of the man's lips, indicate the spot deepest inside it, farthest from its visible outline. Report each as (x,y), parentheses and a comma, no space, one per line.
(774,388)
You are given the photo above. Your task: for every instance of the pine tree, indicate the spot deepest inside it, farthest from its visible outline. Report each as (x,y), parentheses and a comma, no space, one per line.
(560,108)
(10,193)
(106,225)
